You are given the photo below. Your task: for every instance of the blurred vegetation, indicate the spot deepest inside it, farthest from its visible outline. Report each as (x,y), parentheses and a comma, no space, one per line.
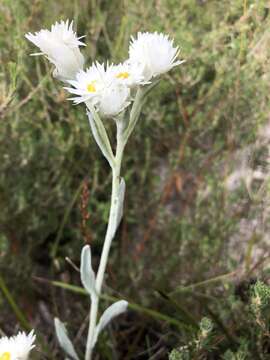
(180,250)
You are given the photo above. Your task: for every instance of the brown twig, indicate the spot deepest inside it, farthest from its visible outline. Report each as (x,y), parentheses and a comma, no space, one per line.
(85,215)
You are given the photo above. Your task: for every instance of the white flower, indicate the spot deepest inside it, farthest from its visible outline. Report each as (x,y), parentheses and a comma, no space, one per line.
(88,84)
(61,46)
(155,52)
(17,347)
(113,100)
(129,74)
(99,86)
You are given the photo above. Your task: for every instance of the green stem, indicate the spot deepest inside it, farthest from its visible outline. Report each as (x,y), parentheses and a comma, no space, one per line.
(150,312)
(24,323)
(182,289)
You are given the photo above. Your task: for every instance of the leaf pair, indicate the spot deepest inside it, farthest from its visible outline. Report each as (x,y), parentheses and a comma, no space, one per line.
(89,282)
(111,312)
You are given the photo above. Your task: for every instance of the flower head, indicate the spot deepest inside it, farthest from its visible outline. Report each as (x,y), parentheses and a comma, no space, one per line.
(114,99)
(155,52)
(99,86)
(88,84)
(129,74)
(61,46)
(17,347)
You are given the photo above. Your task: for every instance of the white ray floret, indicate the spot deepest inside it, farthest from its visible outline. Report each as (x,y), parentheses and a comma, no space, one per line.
(61,46)
(155,52)
(17,347)
(88,85)
(129,74)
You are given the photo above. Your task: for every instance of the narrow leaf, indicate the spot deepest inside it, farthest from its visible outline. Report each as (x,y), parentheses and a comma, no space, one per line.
(64,340)
(138,103)
(87,273)
(100,135)
(121,197)
(111,312)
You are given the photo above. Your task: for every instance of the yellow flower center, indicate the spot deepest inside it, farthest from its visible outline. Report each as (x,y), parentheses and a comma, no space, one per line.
(5,356)
(122,75)
(90,88)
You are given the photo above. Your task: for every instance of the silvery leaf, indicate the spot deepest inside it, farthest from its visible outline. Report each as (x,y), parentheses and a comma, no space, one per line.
(111,312)
(138,103)
(64,340)
(134,113)
(121,197)
(86,270)
(100,135)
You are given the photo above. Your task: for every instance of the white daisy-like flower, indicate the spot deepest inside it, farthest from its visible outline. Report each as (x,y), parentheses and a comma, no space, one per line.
(155,52)
(129,74)
(17,347)
(61,46)
(89,84)
(114,99)
(99,86)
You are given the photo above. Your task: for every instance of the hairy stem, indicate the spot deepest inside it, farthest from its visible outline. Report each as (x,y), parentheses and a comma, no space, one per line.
(108,240)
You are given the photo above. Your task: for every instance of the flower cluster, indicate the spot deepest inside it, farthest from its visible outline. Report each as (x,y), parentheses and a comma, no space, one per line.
(17,347)
(106,87)
(107,90)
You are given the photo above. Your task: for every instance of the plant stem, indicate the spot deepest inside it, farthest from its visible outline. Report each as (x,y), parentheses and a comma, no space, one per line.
(92,327)
(19,314)
(108,240)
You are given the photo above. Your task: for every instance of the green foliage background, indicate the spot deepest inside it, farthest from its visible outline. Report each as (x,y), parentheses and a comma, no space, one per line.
(179,216)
